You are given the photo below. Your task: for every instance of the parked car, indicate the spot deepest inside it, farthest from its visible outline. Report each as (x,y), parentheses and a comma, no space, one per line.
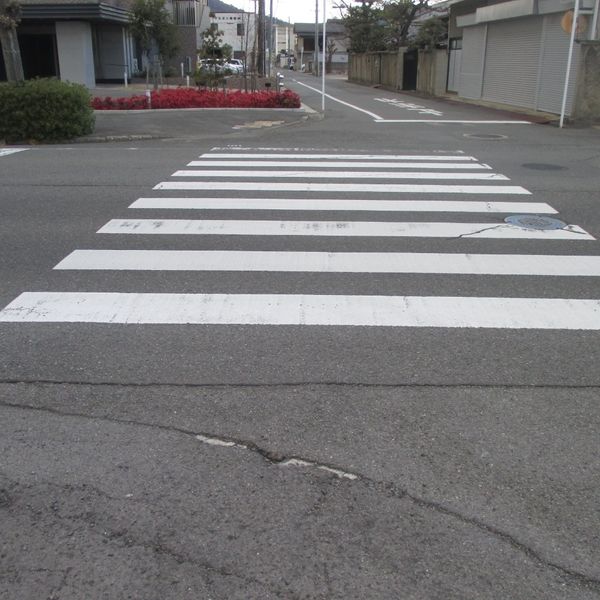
(235,65)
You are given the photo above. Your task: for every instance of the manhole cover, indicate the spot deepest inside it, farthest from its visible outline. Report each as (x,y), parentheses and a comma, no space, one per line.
(534,222)
(543,167)
(485,136)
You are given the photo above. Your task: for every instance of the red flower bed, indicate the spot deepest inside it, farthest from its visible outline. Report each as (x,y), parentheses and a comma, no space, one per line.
(192,98)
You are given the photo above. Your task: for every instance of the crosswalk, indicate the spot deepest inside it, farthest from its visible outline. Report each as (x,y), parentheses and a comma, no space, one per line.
(296,182)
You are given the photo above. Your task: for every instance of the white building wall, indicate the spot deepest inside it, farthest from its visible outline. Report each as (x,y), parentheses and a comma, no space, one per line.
(75,52)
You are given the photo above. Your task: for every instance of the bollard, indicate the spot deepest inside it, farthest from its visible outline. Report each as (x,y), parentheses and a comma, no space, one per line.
(280,79)
(149,96)
(125,78)
(187,81)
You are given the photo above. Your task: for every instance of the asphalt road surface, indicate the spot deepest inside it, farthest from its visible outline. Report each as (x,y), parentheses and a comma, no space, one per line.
(267,357)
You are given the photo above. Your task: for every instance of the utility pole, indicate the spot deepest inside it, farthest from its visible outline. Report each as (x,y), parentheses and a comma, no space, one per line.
(270,36)
(316,58)
(261,38)
(10,17)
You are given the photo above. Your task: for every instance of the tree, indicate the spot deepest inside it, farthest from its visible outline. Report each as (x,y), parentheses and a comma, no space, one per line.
(364,25)
(432,33)
(10,17)
(331,50)
(152,27)
(378,25)
(399,15)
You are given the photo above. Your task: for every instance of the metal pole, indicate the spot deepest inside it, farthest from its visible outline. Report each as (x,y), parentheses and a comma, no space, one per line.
(324,53)
(270,37)
(316,52)
(569,60)
(595,20)
(261,37)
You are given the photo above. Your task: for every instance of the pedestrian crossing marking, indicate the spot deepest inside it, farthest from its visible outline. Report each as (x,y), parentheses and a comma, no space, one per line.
(326,309)
(341,188)
(332,262)
(472,206)
(340,175)
(338,229)
(332,158)
(341,164)
(283,309)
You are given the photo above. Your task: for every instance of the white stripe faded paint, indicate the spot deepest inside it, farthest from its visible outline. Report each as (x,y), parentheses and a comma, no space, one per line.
(472,206)
(338,229)
(335,157)
(280,309)
(453,121)
(332,262)
(373,188)
(7,151)
(340,164)
(340,175)
(362,110)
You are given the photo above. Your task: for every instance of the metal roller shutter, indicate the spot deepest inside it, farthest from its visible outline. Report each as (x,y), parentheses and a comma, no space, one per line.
(471,68)
(555,49)
(512,61)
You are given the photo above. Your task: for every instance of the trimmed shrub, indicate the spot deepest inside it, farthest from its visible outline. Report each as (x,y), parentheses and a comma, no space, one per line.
(44,110)
(191,98)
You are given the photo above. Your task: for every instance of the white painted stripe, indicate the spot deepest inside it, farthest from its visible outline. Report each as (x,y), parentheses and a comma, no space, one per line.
(337,229)
(362,110)
(339,164)
(334,157)
(274,309)
(352,205)
(340,188)
(453,121)
(332,262)
(341,175)
(7,151)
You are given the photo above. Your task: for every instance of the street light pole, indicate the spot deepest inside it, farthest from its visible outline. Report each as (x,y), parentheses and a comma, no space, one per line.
(323,70)
(316,53)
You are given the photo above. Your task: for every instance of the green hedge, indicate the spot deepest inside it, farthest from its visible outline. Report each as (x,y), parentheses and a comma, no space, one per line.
(44,110)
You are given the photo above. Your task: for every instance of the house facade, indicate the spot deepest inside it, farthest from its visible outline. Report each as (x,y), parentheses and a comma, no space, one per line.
(516,52)
(307,51)
(88,41)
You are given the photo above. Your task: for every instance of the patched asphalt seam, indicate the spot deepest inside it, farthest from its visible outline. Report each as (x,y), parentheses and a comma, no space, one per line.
(378,486)
(296,384)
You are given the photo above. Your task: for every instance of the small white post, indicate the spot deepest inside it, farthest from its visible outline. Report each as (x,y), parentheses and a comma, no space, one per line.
(149,97)
(569,61)
(182,71)
(125,77)
(187,81)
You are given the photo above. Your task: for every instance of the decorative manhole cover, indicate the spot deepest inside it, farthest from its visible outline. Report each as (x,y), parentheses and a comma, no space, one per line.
(485,136)
(543,167)
(535,222)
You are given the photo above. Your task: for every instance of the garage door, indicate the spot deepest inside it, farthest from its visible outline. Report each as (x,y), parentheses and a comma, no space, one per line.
(512,61)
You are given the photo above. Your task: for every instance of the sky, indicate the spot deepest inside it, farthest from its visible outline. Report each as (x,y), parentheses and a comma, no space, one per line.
(297,11)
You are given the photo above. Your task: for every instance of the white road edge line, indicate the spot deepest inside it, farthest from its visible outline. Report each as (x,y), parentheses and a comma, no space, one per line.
(453,121)
(296,309)
(362,110)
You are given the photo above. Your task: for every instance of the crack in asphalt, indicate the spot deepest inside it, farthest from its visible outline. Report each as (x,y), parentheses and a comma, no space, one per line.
(122,537)
(299,383)
(388,488)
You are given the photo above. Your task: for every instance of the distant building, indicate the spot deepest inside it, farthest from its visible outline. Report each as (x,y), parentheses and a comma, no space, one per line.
(337,39)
